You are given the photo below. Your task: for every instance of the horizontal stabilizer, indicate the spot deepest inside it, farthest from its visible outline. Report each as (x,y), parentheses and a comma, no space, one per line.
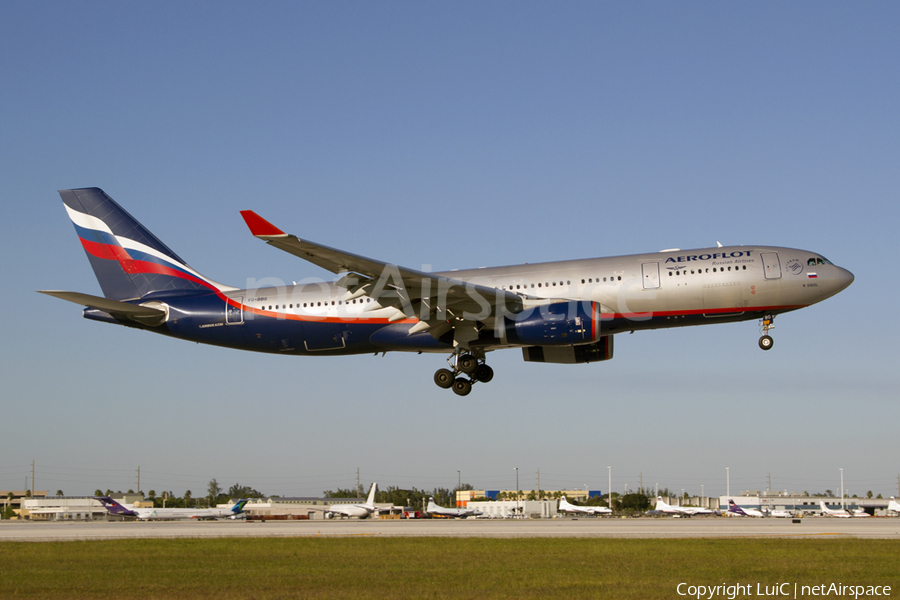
(143,314)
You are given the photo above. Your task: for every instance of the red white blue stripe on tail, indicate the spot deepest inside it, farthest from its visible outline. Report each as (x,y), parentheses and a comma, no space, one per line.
(128,260)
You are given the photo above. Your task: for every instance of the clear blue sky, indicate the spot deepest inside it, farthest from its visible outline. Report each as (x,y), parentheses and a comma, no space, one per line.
(453,135)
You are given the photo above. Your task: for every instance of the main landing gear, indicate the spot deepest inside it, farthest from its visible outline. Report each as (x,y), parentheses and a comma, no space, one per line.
(766,342)
(463,364)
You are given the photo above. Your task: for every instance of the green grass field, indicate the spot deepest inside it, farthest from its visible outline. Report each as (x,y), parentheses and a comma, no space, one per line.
(430,567)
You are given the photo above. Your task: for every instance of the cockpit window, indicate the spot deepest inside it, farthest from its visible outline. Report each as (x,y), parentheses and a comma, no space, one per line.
(811,262)
(818,261)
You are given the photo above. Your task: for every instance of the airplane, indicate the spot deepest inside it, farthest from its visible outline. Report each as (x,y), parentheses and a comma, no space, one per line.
(834,513)
(361,511)
(565,312)
(566,506)
(743,511)
(686,511)
(161,514)
(893,506)
(778,514)
(434,509)
(859,512)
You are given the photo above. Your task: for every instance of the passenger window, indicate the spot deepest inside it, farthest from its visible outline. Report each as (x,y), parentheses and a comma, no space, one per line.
(620,278)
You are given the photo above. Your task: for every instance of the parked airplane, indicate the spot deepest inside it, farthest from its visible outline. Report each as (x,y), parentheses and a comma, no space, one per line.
(160,514)
(434,509)
(557,312)
(778,514)
(566,506)
(834,513)
(687,511)
(361,511)
(743,511)
(893,506)
(859,512)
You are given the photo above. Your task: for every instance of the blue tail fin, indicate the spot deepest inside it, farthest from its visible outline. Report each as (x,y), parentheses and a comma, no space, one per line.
(128,260)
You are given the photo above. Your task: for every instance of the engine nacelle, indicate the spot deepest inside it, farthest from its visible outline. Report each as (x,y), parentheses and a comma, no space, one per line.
(571,355)
(557,324)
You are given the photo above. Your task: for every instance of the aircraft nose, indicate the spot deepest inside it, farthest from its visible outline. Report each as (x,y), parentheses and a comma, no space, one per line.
(844,279)
(835,282)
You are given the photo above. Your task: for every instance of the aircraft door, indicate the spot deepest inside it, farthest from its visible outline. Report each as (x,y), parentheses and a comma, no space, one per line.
(650,273)
(771,264)
(234,313)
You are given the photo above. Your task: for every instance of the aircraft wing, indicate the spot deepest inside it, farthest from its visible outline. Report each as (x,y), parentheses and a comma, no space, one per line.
(414,292)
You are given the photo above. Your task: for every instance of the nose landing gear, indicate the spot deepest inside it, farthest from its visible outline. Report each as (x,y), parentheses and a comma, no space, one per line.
(766,342)
(463,364)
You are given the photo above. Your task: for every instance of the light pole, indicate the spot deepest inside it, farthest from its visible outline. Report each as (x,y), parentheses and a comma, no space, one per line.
(842,488)
(458,485)
(517,491)
(609,487)
(728,481)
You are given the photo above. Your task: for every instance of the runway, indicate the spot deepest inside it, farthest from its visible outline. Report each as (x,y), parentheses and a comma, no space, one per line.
(665,528)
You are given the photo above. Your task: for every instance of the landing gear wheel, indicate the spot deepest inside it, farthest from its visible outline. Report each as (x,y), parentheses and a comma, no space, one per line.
(467,364)
(462,386)
(444,378)
(766,342)
(484,373)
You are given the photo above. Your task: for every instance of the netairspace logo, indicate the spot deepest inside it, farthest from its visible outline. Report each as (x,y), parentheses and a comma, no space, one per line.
(782,590)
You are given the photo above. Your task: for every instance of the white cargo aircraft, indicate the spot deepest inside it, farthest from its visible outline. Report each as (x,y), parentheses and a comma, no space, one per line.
(361,511)
(687,511)
(843,514)
(462,513)
(893,506)
(566,506)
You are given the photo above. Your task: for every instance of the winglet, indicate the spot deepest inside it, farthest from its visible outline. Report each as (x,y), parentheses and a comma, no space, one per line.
(259,226)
